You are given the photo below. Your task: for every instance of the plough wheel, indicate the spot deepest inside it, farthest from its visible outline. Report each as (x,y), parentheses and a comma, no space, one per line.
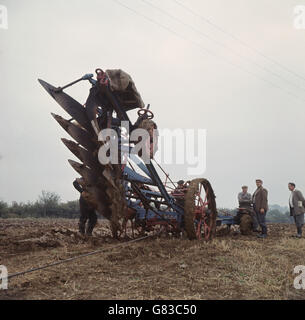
(200,210)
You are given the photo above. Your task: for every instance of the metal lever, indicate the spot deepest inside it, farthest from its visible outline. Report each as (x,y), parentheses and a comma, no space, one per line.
(87,76)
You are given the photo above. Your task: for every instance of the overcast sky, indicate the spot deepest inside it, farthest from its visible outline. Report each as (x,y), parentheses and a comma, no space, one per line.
(252,108)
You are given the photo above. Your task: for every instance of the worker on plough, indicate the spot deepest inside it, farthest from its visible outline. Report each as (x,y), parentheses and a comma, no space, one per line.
(179,192)
(87,209)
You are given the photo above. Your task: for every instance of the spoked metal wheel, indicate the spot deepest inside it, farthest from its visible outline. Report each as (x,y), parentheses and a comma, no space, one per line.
(200,210)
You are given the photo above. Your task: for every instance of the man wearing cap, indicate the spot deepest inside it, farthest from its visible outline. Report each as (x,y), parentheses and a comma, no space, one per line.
(180,184)
(260,206)
(297,207)
(245,201)
(244,198)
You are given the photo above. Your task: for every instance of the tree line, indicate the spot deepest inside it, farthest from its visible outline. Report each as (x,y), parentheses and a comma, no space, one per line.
(48,205)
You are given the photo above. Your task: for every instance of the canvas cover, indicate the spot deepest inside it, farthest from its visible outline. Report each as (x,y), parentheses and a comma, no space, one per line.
(121,81)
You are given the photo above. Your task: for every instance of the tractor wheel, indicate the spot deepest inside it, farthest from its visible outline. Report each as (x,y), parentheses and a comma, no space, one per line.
(200,210)
(245,224)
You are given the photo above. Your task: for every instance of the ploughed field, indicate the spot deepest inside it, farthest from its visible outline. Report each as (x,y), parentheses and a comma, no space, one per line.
(232,266)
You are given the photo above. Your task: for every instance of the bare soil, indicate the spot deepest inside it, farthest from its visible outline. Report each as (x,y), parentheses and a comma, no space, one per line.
(232,266)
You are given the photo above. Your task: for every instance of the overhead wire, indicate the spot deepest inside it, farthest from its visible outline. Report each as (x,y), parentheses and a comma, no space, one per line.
(242,42)
(208,51)
(203,34)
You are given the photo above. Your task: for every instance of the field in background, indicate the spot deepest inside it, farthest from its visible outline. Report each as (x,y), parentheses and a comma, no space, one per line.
(230,267)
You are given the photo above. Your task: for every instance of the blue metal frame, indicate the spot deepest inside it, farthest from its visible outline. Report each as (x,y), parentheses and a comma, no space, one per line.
(173,212)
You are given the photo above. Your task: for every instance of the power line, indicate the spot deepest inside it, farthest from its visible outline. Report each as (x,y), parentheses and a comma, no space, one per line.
(245,44)
(205,50)
(220,43)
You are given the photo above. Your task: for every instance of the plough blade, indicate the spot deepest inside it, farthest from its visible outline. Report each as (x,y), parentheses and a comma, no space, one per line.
(97,188)
(96,169)
(73,147)
(89,177)
(71,106)
(83,155)
(77,133)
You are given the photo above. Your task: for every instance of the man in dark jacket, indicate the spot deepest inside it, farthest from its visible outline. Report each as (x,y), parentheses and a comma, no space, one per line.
(260,206)
(87,210)
(297,207)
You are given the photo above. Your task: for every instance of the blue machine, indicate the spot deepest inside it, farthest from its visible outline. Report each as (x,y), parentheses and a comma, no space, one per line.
(130,190)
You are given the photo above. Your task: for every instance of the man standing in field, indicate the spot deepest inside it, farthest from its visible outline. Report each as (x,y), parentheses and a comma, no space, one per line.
(260,206)
(297,208)
(87,209)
